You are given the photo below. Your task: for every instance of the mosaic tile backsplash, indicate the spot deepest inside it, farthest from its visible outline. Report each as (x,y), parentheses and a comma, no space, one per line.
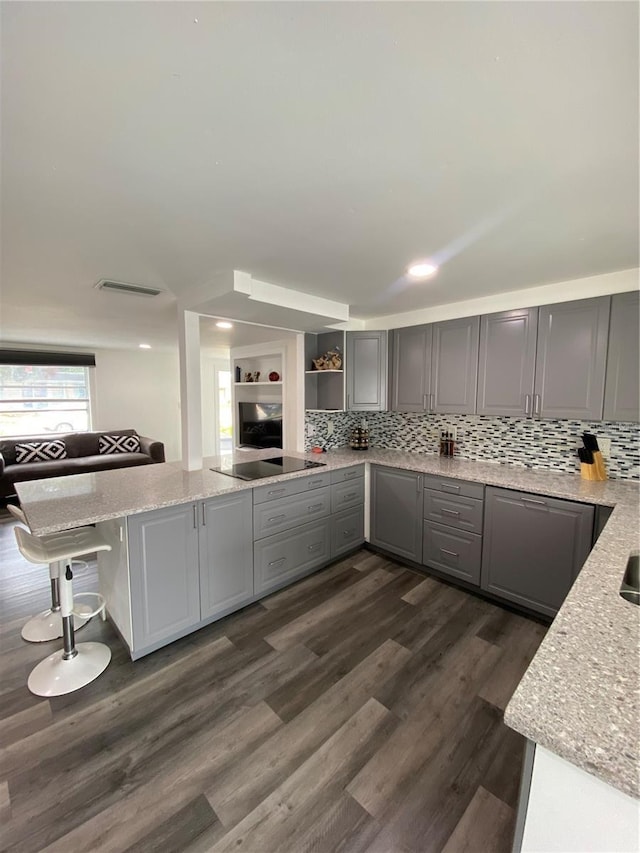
(520,441)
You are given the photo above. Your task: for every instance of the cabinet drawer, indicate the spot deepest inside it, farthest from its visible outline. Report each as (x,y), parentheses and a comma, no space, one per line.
(344,495)
(275,516)
(279,559)
(452,552)
(463,513)
(261,494)
(454,487)
(344,474)
(347,531)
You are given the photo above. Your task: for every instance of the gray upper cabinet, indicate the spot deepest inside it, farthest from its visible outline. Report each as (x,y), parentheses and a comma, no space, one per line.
(366,369)
(571,359)
(163,565)
(622,382)
(396,511)
(507,362)
(533,547)
(454,366)
(411,382)
(226,553)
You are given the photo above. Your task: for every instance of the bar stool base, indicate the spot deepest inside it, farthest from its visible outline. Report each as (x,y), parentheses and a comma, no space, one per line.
(48,625)
(55,676)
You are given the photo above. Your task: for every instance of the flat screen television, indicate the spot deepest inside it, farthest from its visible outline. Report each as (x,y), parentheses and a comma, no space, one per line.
(260,424)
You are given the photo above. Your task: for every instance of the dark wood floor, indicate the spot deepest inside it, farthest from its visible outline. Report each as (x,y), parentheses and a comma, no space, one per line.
(360,710)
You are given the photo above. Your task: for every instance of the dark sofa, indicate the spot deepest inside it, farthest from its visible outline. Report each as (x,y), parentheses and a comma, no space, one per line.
(82,457)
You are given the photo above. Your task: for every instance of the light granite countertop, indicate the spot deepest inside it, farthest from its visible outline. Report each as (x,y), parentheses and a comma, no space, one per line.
(580,697)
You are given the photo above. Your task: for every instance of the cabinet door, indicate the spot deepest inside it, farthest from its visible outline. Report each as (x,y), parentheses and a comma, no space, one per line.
(396,511)
(507,362)
(163,562)
(454,366)
(533,547)
(411,382)
(454,552)
(226,553)
(571,358)
(366,371)
(622,381)
(280,559)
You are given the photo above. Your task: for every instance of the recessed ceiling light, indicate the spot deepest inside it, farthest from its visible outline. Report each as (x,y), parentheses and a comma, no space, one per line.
(222,324)
(144,346)
(421,269)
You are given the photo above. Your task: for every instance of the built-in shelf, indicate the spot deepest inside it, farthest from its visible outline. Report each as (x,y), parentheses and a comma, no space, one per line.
(318,372)
(258,383)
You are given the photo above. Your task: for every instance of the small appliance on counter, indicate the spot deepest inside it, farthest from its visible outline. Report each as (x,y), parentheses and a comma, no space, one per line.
(359,438)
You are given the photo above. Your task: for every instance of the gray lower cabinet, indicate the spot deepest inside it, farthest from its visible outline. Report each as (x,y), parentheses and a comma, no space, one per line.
(622,382)
(164,574)
(396,511)
(454,552)
(280,559)
(571,359)
(366,371)
(347,531)
(507,362)
(533,547)
(226,553)
(454,366)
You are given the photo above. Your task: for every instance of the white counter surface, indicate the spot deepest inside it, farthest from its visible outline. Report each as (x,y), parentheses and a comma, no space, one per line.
(580,696)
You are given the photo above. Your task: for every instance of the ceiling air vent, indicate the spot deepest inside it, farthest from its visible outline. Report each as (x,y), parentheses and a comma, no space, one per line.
(123,287)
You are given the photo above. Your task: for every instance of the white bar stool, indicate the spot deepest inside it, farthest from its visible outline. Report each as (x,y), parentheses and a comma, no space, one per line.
(47,625)
(74,666)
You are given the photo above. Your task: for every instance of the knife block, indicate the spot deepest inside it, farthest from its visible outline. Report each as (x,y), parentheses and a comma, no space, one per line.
(598,464)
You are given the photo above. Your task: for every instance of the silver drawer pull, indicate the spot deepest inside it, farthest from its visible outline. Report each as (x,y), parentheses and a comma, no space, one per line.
(314,547)
(277,518)
(350,496)
(450,511)
(314,507)
(277,562)
(349,532)
(446,486)
(315,482)
(450,553)
(533,501)
(350,474)
(277,492)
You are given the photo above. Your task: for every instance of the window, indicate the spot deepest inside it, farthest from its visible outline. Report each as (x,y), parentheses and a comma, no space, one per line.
(36,399)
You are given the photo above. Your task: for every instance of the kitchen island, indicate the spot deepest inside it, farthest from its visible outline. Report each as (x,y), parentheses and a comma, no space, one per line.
(579,698)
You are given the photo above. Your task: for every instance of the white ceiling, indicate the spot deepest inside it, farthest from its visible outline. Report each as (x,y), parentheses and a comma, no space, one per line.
(318,146)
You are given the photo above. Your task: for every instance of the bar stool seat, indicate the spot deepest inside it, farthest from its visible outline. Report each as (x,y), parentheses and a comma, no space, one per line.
(47,625)
(74,666)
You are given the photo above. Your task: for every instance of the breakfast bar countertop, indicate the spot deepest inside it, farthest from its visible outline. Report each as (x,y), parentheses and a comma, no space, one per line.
(579,698)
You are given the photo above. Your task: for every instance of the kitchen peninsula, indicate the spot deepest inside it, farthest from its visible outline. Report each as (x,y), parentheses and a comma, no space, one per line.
(579,697)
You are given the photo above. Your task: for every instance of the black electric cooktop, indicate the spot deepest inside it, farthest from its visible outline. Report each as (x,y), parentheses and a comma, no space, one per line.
(266,467)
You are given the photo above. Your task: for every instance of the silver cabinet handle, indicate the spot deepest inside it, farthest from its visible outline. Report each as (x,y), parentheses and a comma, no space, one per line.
(449,511)
(195,517)
(349,532)
(315,482)
(314,547)
(277,491)
(204,516)
(277,518)
(432,398)
(445,486)
(314,507)
(277,562)
(451,553)
(536,404)
(527,404)
(350,475)
(418,484)
(534,501)
(424,402)
(350,496)
(348,401)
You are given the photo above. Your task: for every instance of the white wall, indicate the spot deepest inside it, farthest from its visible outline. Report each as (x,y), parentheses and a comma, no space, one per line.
(139,389)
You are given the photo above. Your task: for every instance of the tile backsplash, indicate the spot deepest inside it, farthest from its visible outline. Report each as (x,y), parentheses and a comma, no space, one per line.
(521,441)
